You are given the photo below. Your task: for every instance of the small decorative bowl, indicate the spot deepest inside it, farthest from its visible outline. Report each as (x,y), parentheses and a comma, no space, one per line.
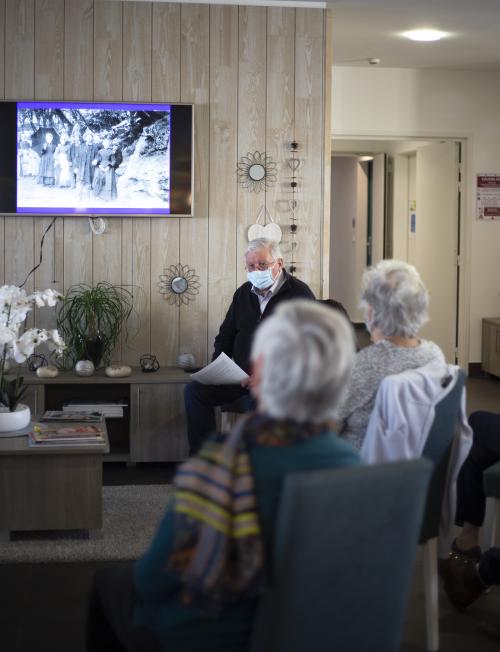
(84,368)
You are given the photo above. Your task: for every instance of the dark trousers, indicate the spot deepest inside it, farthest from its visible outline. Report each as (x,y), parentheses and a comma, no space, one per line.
(485,451)
(200,401)
(489,566)
(109,622)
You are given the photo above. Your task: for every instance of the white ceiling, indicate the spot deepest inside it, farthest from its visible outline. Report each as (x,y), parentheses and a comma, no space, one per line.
(366,29)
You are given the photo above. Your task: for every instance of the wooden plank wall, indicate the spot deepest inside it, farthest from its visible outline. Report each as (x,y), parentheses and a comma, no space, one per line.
(258,78)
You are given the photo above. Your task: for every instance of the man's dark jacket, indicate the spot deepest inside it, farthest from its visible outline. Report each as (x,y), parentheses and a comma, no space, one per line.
(237,330)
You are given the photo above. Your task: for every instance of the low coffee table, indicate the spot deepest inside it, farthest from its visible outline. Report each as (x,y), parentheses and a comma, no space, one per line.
(50,488)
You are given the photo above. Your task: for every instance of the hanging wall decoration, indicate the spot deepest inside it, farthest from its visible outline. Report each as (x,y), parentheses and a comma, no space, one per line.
(265,227)
(179,284)
(256,171)
(294,165)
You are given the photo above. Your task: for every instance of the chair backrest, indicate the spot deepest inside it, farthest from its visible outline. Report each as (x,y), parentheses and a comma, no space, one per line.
(437,449)
(342,560)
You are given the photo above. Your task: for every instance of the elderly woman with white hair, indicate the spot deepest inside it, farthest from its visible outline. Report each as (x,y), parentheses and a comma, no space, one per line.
(395,301)
(197,587)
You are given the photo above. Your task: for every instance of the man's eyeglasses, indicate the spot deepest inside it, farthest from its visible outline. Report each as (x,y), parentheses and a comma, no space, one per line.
(259,266)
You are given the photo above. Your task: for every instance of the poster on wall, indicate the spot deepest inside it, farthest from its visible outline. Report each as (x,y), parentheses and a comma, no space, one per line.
(488,197)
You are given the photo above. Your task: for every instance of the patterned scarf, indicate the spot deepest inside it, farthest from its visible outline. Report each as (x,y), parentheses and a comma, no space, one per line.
(218,547)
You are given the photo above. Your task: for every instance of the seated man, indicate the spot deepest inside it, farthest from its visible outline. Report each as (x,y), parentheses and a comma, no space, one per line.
(268,285)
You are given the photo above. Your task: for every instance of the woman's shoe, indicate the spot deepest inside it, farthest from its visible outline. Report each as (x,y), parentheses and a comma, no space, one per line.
(461,582)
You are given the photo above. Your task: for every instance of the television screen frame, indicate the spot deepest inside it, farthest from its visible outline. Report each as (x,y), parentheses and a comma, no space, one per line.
(179,148)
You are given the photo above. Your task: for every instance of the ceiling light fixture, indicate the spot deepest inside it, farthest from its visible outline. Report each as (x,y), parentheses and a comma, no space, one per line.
(424,34)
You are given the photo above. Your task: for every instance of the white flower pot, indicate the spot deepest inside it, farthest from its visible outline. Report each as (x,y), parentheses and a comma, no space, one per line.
(12,421)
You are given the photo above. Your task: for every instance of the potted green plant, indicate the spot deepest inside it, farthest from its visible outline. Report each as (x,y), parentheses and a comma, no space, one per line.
(91,319)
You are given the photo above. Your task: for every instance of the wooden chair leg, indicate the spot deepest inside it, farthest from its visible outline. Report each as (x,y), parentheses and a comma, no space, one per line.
(431,595)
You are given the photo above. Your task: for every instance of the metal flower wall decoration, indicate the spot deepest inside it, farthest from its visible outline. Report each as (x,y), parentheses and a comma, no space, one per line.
(179,284)
(256,171)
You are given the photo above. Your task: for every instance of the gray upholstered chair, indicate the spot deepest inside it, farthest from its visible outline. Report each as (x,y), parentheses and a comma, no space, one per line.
(438,449)
(342,559)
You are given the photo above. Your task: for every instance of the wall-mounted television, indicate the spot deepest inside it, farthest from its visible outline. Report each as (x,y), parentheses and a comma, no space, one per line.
(96,158)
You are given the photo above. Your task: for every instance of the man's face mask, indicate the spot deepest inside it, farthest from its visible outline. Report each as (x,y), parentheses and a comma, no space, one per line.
(261,279)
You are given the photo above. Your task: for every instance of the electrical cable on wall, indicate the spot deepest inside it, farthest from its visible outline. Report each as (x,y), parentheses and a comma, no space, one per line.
(41,254)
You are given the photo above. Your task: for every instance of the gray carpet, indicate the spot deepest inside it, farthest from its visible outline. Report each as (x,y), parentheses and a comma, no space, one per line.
(130,516)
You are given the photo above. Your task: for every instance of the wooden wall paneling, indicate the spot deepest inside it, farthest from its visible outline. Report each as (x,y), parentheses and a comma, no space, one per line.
(327,149)
(251,116)
(108,42)
(79,50)
(19,254)
(106,258)
(166,53)
(223,155)
(137,40)
(129,354)
(139,270)
(310,136)
(195,52)
(280,114)
(49,49)
(50,272)
(2,48)
(165,232)
(137,30)
(19,49)
(77,251)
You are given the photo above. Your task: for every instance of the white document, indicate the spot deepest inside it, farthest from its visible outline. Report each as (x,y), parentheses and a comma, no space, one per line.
(222,371)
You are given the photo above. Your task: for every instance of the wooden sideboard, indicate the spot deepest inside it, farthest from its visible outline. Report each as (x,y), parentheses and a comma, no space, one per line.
(153,428)
(490,357)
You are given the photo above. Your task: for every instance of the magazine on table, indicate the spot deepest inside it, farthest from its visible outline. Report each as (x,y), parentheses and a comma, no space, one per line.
(43,434)
(75,416)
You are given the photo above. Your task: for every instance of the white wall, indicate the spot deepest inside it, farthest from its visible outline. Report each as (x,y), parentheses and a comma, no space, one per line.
(344,234)
(383,102)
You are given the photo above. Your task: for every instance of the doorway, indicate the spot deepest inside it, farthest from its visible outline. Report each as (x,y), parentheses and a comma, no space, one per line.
(399,199)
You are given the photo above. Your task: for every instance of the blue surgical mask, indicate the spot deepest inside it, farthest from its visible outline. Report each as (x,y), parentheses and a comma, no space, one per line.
(261,279)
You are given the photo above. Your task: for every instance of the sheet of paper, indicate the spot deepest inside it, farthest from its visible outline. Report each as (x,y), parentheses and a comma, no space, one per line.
(222,371)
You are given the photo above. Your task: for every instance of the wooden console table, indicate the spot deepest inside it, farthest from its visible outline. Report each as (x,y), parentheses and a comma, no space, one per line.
(153,428)
(56,488)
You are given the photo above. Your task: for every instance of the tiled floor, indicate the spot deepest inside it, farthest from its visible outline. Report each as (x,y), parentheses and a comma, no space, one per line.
(42,606)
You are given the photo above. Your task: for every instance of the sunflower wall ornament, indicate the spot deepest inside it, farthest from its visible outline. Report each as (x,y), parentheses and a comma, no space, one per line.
(256,171)
(179,284)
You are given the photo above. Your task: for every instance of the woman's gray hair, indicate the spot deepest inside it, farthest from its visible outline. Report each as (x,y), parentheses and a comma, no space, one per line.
(265,243)
(397,297)
(307,351)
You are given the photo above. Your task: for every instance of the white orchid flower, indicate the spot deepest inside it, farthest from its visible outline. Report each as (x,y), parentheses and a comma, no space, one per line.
(7,335)
(56,338)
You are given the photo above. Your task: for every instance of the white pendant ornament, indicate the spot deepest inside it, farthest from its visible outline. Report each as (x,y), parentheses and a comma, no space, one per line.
(271,230)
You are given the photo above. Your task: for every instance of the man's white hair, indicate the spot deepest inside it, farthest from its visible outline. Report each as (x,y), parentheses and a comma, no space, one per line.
(397,297)
(307,351)
(264,243)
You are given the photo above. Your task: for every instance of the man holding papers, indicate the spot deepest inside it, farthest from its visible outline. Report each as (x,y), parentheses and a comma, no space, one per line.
(268,285)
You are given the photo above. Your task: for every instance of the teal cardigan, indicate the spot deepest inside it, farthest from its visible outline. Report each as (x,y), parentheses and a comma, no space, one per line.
(182,628)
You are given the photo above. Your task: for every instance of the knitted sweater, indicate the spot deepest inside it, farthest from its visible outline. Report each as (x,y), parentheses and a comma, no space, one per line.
(371,366)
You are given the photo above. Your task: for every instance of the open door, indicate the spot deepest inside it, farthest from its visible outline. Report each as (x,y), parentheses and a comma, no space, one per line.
(433,227)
